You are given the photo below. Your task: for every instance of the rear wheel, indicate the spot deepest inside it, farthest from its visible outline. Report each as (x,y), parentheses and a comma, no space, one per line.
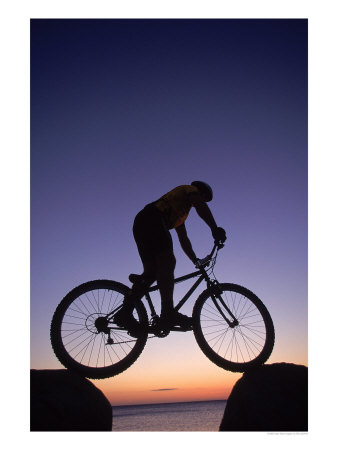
(245,342)
(84,337)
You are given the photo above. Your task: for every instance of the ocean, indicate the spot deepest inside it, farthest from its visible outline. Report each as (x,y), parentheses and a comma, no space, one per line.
(185,416)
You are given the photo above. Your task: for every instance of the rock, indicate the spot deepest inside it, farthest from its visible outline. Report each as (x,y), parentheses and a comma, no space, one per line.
(270,398)
(64,401)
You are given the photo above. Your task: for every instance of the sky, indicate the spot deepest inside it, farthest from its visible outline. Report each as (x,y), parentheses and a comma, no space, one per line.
(124,110)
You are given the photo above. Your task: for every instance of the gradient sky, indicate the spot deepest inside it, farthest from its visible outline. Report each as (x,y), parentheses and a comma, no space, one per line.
(124,110)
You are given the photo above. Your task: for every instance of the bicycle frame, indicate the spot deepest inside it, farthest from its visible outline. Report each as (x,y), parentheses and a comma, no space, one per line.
(203,275)
(178,280)
(85,322)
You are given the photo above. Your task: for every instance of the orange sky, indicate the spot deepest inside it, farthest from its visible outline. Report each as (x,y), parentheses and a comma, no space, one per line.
(174,369)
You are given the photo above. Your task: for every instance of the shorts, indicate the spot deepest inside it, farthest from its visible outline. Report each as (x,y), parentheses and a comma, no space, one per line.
(151,234)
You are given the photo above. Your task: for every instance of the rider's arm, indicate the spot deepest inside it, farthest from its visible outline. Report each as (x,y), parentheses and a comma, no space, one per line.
(185,242)
(203,211)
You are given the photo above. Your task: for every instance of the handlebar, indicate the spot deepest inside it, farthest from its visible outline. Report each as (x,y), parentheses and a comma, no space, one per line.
(204,261)
(218,246)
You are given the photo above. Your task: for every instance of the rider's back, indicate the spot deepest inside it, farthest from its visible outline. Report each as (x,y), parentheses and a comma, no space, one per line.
(175,205)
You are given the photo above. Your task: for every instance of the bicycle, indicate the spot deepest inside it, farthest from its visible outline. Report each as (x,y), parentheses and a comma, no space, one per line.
(231,325)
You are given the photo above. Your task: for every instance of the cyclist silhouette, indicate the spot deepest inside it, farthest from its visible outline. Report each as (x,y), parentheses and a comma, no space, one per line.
(155,247)
(94,330)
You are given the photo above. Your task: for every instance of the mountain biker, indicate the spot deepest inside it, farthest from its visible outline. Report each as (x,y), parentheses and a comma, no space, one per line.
(155,247)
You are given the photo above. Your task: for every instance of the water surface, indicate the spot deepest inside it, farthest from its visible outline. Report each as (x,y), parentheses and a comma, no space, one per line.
(185,416)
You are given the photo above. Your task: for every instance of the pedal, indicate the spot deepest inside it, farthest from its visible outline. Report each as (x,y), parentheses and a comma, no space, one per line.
(157,329)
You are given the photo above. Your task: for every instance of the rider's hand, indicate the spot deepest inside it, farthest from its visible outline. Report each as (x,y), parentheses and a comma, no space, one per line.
(219,234)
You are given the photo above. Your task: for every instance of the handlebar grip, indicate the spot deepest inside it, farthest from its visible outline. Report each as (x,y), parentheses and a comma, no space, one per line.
(219,244)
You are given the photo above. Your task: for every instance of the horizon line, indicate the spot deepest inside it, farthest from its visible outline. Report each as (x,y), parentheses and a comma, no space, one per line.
(165,403)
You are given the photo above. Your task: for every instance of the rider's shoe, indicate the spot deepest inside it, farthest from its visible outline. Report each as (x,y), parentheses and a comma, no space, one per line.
(125,319)
(176,318)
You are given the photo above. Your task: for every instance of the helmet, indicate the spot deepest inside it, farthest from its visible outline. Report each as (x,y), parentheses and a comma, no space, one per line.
(204,188)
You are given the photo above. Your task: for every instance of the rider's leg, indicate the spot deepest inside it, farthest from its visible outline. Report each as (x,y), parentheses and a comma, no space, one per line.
(166,263)
(155,246)
(138,289)
(144,230)
(149,272)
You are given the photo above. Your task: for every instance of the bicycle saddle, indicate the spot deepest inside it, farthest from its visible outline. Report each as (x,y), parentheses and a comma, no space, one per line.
(134,278)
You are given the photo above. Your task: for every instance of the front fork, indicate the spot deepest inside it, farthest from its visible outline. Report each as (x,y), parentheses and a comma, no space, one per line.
(216,295)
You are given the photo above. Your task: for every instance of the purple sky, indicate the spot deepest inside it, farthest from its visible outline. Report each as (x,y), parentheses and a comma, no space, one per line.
(124,110)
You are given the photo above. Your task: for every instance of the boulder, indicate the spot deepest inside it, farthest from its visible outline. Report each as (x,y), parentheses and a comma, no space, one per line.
(272,397)
(64,401)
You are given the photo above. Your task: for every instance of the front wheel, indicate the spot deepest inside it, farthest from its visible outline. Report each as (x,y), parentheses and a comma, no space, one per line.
(233,327)
(84,336)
